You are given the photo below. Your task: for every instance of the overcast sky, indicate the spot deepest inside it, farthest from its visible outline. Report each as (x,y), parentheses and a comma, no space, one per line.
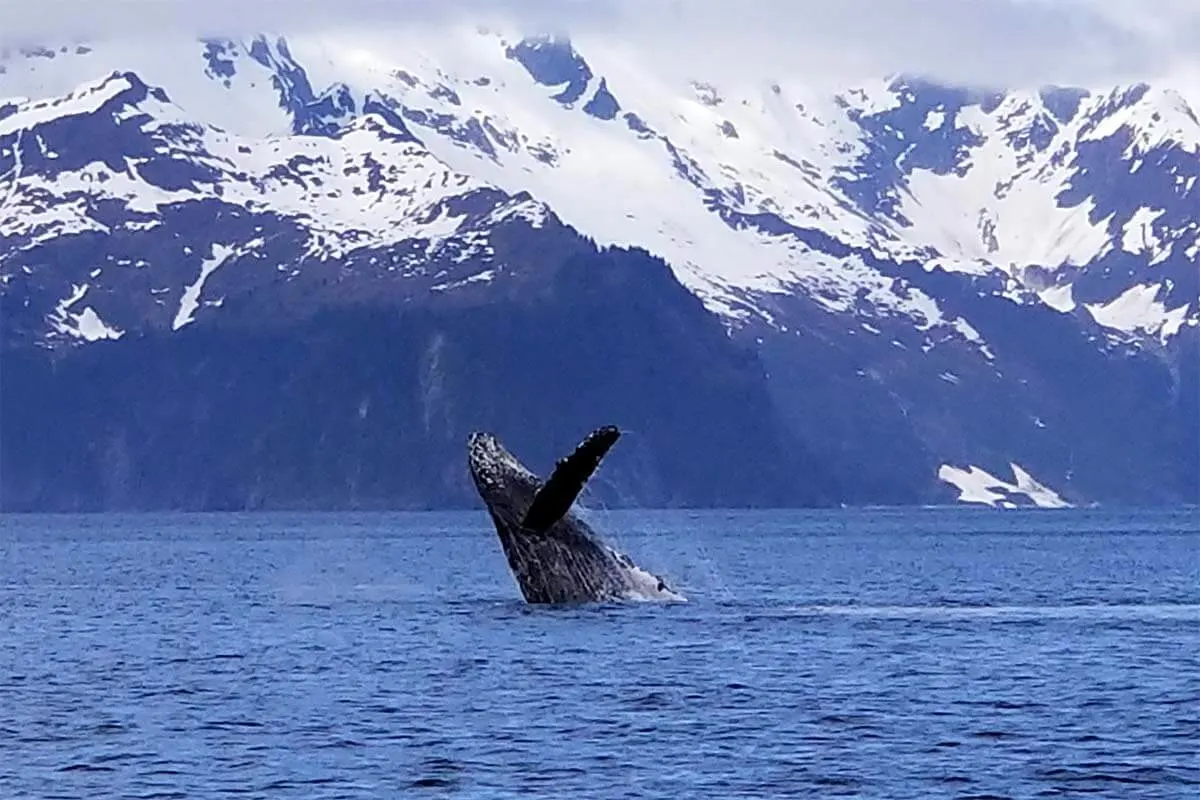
(987,42)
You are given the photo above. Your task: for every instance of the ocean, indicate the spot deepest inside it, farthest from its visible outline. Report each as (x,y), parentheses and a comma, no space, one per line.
(894,653)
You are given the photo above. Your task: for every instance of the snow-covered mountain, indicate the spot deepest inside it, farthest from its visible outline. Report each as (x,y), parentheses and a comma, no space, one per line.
(990,296)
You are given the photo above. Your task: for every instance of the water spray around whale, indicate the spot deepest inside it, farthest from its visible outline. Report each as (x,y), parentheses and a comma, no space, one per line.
(553,554)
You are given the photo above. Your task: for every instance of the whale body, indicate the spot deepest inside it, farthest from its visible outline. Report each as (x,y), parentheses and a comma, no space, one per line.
(553,554)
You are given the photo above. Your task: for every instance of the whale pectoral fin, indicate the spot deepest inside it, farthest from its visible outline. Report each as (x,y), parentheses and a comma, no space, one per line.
(554,499)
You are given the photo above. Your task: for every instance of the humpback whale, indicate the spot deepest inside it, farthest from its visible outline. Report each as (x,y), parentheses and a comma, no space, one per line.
(553,554)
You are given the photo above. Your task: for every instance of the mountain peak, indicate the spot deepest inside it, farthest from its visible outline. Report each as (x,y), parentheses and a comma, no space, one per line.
(552,61)
(902,250)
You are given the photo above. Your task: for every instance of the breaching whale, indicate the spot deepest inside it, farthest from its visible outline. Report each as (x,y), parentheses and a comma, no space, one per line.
(553,554)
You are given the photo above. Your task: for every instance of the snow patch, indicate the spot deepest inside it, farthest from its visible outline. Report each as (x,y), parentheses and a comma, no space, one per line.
(480,277)
(1060,298)
(191,293)
(1138,309)
(976,485)
(85,324)
(89,326)
(1138,235)
(87,98)
(1004,208)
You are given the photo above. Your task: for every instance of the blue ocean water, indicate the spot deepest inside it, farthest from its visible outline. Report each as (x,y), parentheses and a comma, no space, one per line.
(872,654)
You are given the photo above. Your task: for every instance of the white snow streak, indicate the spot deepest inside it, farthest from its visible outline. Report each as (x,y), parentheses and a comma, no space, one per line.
(191,293)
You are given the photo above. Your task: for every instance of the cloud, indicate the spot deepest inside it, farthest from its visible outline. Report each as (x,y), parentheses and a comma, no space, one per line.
(981,42)
(52,20)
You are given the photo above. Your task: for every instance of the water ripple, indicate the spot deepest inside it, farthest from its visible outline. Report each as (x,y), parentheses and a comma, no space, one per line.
(901,655)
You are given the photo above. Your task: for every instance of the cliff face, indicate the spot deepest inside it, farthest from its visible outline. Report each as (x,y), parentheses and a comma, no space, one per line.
(370,407)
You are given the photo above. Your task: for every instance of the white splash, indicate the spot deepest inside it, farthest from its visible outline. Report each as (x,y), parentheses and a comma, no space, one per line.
(645,587)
